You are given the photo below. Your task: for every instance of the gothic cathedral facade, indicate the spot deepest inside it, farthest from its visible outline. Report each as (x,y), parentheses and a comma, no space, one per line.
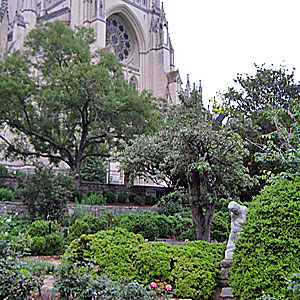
(136,31)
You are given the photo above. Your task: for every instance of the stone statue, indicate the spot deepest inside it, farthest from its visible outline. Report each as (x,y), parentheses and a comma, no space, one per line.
(238,217)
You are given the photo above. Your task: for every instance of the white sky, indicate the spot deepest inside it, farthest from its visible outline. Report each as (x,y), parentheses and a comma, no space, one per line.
(216,39)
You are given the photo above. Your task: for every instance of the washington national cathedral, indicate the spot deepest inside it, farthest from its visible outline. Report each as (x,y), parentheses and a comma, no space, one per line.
(136,31)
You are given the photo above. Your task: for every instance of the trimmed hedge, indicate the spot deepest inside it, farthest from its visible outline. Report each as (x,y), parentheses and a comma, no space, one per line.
(192,269)
(268,251)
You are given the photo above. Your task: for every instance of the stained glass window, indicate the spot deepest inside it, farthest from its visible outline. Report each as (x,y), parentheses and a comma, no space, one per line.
(117,38)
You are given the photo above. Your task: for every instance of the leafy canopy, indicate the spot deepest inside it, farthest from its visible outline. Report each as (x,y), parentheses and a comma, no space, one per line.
(65,103)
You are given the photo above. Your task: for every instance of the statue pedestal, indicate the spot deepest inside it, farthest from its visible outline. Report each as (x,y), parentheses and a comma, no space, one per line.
(226,293)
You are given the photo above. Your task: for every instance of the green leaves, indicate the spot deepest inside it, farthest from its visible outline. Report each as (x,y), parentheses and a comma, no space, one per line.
(65,103)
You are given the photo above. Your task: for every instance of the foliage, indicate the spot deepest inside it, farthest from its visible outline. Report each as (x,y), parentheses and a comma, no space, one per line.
(138,200)
(76,196)
(93,199)
(88,224)
(131,197)
(268,251)
(109,247)
(246,108)
(6,194)
(45,193)
(75,105)
(292,285)
(3,170)
(46,239)
(285,151)
(109,196)
(122,197)
(193,151)
(150,200)
(150,225)
(83,282)
(16,282)
(192,269)
(93,169)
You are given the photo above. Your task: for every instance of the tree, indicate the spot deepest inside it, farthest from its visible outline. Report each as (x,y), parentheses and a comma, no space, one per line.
(246,107)
(190,149)
(45,193)
(62,102)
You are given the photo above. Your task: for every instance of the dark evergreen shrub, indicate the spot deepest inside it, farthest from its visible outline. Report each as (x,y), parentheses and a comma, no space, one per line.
(54,244)
(76,196)
(109,196)
(149,200)
(268,251)
(131,197)
(138,200)
(122,197)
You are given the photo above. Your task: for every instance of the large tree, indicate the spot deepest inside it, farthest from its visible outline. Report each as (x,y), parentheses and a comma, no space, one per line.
(62,102)
(246,105)
(193,150)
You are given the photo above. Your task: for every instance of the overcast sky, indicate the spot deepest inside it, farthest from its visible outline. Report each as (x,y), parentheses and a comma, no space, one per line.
(216,39)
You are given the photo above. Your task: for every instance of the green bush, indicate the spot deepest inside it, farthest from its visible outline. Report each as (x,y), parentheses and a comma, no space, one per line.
(16,282)
(268,251)
(138,200)
(192,269)
(131,197)
(149,200)
(93,199)
(122,197)
(38,245)
(42,228)
(109,197)
(80,281)
(6,194)
(45,193)
(54,244)
(3,170)
(76,196)
(150,225)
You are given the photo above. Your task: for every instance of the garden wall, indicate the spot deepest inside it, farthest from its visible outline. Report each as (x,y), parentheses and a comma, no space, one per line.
(90,186)
(11,208)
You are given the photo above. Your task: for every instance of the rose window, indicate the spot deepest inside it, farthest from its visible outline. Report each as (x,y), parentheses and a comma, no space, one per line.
(117,38)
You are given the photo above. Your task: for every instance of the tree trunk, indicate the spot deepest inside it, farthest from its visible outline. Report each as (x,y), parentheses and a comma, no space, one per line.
(202,209)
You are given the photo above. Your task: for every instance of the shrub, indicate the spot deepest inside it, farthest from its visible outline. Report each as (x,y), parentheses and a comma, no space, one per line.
(16,282)
(76,196)
(38,245)
(150,225)
(192,269)
(3,170)
(149,200)
(42,228)
(82,281)
(45,193)
(54,244)
(93,199)
(138,200)
(93,169)
(131,197)
(109,197)
(113,250)
(6,194)
(122,197)
(268,251)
